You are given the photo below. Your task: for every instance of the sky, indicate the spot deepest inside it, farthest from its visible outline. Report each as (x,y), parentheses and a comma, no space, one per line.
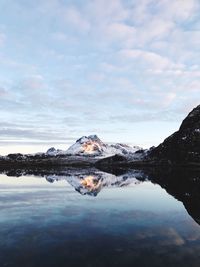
(126,70)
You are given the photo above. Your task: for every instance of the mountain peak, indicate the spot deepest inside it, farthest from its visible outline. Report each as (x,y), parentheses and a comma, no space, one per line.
(87,145)
(93,138)
(52,151)
(92,145)
(183,145)
(192,121)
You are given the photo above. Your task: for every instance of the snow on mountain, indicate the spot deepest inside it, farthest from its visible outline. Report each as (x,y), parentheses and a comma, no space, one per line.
(92,146)
(121,149)
(52,151)
(87,145)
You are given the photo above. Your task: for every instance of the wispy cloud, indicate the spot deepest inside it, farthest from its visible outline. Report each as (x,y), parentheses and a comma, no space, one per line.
(150,59)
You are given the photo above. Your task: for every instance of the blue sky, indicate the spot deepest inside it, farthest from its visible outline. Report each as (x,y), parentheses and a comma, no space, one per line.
(128,70)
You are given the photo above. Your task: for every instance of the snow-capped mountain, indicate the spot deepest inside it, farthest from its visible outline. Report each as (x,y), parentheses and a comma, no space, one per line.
(92,146)
(88,145)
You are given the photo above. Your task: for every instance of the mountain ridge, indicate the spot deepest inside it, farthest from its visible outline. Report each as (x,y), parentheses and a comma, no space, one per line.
(180,148)
(183,145)
(93,146)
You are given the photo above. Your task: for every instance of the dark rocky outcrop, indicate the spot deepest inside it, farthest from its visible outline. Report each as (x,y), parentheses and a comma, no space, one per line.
(182,147)
(43,160)
(110,160)
(112,164)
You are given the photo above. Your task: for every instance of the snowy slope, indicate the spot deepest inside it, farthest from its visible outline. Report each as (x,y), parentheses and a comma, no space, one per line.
(88,145)
(52,151)
(92,146)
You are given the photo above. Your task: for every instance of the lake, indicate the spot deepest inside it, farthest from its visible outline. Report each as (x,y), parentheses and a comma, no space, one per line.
(98,219)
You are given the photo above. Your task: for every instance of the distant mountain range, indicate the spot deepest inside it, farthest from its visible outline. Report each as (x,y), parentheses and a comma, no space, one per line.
(181,148)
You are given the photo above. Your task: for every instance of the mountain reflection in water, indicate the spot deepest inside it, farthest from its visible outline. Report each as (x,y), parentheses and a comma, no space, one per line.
(135,218)
(92,182)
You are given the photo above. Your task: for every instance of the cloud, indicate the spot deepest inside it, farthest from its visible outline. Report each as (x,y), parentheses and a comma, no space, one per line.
(155,101)
(35,82)
(10,63)
(103,12)
(179,9)
(153,20)
(74,17)
(88,61)
(63,37)
(2,39)
(165,115)
(3,92)
(97,77)
(110,67)
(193,86)
(155,29)
(150,59)
(10,143)
(120,32)
(24,133)
(33,130)
(183,73)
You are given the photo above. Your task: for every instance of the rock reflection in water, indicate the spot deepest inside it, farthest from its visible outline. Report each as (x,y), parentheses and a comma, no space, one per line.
(184,185)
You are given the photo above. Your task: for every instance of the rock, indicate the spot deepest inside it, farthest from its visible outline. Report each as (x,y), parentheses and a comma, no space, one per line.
(52,151)
(112,164)
(183,146)
(115,158)
(16,156)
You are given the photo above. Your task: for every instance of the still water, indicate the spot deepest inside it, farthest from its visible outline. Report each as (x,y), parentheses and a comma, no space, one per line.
(88,220)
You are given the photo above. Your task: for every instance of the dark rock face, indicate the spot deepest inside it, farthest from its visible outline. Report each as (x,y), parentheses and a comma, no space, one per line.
(17,156)
(112,164)
(184,145)
(111,160)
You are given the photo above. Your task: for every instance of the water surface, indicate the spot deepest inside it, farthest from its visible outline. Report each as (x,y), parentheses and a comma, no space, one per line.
(91,221)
